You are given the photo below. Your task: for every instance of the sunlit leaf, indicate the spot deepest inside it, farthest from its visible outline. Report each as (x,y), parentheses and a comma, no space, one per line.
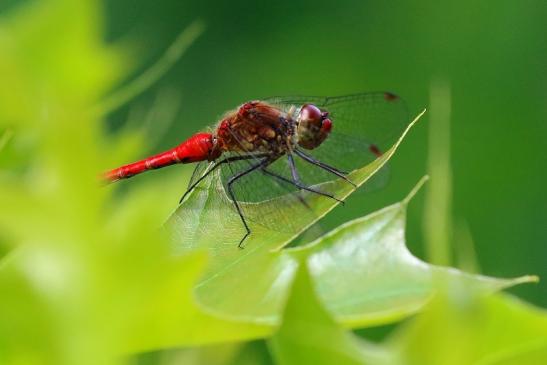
(168,317)
(309,335)
(461,328)
(365,274)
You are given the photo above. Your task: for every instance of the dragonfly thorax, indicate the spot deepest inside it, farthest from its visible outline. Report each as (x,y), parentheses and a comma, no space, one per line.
(255,127)
(260,127)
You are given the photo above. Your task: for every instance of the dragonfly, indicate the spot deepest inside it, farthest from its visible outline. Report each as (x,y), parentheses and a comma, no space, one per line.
(295,143)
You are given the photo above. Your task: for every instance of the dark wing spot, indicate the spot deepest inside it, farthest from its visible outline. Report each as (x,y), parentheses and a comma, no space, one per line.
(390,96)
(374,149)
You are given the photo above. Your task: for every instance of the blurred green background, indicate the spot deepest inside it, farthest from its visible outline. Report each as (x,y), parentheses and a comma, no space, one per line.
(493,55)
(84,272)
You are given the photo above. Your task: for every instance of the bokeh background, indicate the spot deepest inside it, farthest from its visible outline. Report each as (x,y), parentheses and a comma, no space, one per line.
(492,56)
(85,274)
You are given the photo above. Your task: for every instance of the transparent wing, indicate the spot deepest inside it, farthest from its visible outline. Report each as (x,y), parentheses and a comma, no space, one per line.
(200,169)
(265,196)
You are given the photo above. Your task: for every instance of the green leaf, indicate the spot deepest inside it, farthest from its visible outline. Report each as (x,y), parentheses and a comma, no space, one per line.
(308,335)
(365,275)
(5,136)
(168,316)
(148,304)
(461,328)
(363,272)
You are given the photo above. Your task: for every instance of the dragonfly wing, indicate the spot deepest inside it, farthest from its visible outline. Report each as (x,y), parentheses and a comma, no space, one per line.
(267,199)
(377,117)
(198,172)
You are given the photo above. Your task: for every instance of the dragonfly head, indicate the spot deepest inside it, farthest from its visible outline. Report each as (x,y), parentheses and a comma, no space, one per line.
(314,126)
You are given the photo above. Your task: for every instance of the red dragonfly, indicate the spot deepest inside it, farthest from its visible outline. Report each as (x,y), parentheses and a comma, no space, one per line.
(297,142)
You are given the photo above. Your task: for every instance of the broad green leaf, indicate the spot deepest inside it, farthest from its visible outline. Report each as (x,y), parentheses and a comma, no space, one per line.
(169,317)
(308,335)
(121,277)
(461,328)
(131,300)
(363,272)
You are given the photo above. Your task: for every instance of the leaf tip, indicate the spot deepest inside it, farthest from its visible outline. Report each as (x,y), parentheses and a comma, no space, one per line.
(415,189)
(409,126)
(417,118)
(525,279)
(528,279)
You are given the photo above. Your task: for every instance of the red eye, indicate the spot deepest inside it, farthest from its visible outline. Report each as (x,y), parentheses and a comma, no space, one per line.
(326,127)
(311,113)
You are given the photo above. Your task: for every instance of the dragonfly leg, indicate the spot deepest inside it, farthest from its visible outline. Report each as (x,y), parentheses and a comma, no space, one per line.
(295,178)
(265,162)
(294,171)
(324,166)
(300,186)
(215,166)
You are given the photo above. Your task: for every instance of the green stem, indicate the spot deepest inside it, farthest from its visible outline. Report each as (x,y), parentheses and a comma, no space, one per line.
(438,200)
(154,73)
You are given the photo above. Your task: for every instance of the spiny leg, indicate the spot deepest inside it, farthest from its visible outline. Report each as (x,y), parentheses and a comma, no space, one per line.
(267,172)
(265,162)
(215,166)
(313,159)
(298,182)
(295,178)
(300,199)
(324,166)
(294,171)
(300,186)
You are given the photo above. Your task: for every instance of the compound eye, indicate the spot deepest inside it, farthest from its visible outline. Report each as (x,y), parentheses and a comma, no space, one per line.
(311,114)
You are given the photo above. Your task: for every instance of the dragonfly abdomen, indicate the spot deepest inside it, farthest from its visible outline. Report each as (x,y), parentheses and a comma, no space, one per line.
(199,147)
